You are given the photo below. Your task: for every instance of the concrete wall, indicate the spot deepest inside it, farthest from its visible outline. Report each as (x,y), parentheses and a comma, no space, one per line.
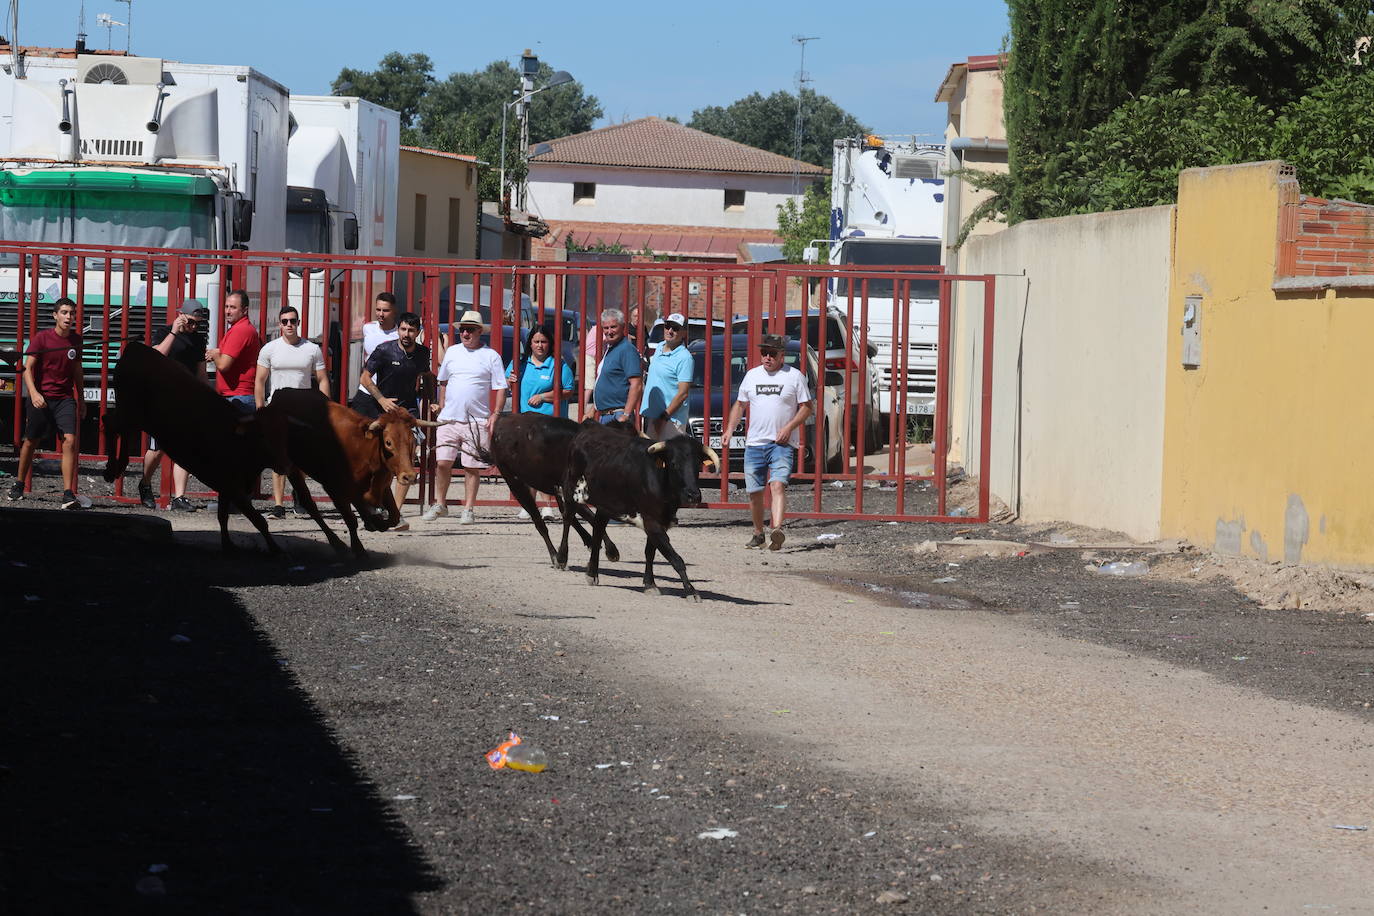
(1079,356)
(440,180)
(662,197)
(1266,438)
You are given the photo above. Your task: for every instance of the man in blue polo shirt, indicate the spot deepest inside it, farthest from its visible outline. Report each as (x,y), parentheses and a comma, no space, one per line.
(618,385)
(669,381)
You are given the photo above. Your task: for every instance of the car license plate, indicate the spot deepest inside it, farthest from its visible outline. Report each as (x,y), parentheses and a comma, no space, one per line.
(93,394)
(920,408)
(735,442)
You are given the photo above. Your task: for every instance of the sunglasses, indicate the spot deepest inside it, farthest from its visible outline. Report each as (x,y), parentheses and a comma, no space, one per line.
(768,351)
(469,330)
(290,321)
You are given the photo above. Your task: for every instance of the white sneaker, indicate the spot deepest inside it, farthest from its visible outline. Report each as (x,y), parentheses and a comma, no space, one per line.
(435,511)
(523,515)
(466,518)
(548,512)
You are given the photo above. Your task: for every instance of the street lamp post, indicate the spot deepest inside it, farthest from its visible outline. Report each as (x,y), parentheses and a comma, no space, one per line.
(529,67)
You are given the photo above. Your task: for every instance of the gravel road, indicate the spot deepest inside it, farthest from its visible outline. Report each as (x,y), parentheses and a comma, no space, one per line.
(304,735)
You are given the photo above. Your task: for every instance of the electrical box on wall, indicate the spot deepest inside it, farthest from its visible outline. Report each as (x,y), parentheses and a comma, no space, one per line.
(1192,332)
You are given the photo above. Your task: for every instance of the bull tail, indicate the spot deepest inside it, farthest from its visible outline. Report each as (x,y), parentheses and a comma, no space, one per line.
(474,450)
(116,447)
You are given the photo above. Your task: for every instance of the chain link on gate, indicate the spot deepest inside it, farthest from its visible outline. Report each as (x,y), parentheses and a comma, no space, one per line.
(875,344)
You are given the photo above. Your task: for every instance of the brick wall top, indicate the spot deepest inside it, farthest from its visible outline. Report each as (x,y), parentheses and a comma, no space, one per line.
(1323,243)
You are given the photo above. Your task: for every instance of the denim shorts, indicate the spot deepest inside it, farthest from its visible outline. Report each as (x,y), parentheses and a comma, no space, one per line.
(764,463)
(245,404)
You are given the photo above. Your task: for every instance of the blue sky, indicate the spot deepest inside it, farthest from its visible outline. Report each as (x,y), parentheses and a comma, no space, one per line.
(881,62)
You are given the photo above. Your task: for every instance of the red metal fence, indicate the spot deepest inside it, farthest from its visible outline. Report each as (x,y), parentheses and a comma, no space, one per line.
(877,343)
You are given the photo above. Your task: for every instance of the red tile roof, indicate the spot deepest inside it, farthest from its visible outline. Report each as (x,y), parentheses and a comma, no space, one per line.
(446,155)
(696,241)
(652,143)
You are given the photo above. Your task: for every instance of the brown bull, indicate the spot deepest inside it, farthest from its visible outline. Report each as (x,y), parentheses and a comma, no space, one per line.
(353,458)
(197,428)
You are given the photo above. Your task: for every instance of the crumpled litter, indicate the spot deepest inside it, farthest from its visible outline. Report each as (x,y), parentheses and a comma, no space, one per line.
(719,833)
(829,536)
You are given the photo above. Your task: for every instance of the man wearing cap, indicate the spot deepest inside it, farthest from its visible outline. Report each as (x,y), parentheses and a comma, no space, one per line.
(669,381)
(289,361)
(779,404)
(391,382)
(620,380)
(183,341)
(468,375)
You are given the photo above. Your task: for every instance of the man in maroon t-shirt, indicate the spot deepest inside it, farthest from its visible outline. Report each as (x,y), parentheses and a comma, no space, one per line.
(236,357)
(52,377)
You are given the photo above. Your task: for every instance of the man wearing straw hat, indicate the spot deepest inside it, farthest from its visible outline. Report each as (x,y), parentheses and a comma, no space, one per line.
(468,375)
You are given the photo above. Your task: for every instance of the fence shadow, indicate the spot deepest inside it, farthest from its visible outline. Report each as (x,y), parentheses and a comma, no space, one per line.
(148,722)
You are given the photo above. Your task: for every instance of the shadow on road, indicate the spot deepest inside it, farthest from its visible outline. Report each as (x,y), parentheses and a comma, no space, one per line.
(156,746)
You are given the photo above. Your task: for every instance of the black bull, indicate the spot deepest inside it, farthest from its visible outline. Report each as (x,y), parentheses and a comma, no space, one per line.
(636,480)
(197,428)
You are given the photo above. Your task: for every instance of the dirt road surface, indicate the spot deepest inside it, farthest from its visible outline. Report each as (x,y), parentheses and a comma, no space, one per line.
(1025,737)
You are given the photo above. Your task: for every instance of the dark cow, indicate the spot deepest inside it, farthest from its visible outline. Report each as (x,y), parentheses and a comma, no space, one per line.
(353,457)
(197,428)
(638,481)
(530,450)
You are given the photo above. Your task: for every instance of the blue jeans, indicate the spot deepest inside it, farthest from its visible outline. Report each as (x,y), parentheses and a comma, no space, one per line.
(763,463)
(610,416)
(245,404)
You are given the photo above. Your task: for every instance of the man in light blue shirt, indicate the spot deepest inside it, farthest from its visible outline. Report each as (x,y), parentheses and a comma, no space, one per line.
(669,381)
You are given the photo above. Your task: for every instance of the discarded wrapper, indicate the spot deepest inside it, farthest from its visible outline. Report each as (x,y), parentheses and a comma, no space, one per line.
(496,757)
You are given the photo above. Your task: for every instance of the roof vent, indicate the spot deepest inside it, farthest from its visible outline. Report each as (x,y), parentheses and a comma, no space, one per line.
(105,73)
(915,167)
(95,69)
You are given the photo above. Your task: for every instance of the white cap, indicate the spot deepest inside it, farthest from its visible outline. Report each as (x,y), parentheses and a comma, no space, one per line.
(676,318)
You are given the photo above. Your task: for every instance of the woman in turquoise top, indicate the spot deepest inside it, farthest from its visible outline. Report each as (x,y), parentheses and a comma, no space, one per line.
(536,375)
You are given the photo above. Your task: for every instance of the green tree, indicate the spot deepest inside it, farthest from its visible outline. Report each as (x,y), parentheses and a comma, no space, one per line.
(799,226)
(463,114)
(1073,62)
(399,83)
(1328,135)
(770,123)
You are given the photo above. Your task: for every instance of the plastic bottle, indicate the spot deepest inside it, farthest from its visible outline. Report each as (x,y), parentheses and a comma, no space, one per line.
(527,757)
(1122,568)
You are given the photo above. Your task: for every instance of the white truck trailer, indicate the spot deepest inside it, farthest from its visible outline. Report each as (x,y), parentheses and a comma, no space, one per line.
(116,150)
(343,163)
(887,208)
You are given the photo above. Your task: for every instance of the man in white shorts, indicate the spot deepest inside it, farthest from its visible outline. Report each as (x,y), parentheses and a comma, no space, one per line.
(468,375)
(287,362)
(779,403)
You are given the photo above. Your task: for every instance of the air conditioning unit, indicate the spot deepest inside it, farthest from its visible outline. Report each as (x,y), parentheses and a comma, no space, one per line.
(95,69)
(916,166)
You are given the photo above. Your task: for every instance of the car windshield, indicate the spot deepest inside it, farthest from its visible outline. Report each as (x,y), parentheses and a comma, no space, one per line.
(906,253)
(97,217)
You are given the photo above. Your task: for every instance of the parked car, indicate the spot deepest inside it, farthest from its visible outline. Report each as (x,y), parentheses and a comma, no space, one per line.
(725,381)
(841,347)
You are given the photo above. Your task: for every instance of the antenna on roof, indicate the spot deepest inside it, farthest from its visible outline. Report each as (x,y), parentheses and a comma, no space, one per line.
(802,79)
(81,29)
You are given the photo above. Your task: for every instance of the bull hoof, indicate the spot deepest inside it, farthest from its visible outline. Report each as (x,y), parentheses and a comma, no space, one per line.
(651,590)
(593,580)
(613,555)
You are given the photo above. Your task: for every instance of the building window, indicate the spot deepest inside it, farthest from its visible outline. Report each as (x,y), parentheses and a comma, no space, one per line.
(455,223)
(584,192)
(470,170)
(420,215)
(734,199)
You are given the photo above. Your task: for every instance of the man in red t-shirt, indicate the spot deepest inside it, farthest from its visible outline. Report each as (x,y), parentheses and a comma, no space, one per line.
(236,357)
(52,377)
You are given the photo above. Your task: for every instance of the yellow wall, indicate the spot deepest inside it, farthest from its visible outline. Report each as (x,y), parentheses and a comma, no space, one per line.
(1269,438)
(439,179)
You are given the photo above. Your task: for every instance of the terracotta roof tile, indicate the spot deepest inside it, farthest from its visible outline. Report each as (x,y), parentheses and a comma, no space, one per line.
(652,143)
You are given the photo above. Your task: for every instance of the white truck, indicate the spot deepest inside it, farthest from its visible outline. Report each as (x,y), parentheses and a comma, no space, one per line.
(113,150)
(887,208)
(342,174)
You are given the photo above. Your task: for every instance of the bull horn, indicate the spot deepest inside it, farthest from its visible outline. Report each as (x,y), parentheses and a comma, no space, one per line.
(712,457)
(374,426)
(431,423)
(657,447)
(644,435)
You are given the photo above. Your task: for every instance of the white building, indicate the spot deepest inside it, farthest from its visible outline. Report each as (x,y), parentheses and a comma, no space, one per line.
(656,184)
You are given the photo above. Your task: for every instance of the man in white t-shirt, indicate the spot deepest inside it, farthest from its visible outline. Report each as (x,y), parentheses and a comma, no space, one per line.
(384,328)
(779,403)
(468,375)
(287,362)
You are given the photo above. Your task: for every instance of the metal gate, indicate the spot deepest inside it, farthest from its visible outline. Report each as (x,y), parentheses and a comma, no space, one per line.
(875,344)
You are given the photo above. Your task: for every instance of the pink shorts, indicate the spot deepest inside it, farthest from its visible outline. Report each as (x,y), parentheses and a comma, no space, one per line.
(456,441)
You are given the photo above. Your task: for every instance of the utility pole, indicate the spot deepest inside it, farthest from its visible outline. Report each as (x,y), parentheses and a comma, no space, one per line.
(802,79)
